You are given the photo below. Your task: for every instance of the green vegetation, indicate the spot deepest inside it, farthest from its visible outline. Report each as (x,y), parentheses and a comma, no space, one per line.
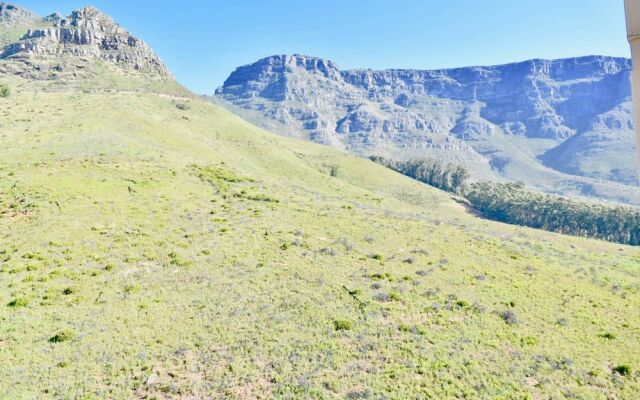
(513,204)
(182,289)
(623,369)
(448,177)
(183,106)
(334,170)
(342,325)
(5,91)
(19,302)
(63,336)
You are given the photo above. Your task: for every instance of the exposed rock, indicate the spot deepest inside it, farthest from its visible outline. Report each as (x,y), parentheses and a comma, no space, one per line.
(604,150)
(54,18)
(86,33)
(485,117)
(310,97)
(11,14)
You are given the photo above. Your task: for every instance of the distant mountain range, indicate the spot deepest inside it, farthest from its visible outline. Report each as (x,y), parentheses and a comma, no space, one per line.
(562,126)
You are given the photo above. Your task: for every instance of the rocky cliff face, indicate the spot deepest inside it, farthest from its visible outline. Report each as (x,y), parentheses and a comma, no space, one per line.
(538,120)
(11,14)
(86,33)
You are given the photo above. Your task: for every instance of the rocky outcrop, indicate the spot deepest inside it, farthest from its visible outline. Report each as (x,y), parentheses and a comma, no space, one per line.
(310,97)
(54,18)
(11,14)
(510,117)
(86,33)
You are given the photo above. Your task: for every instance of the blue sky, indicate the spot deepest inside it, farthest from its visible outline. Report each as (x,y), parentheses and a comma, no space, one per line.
(203,41)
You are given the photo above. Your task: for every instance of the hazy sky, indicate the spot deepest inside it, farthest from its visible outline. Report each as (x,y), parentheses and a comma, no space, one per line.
(203,41)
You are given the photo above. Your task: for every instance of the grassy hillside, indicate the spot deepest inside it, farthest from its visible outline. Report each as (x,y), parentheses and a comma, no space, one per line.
(155,251)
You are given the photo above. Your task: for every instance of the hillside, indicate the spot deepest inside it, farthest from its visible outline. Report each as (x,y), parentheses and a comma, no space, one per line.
(562,126)
(154,245)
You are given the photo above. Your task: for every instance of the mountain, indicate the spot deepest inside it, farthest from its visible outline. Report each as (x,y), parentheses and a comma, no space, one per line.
(15,21)
(154,245)
(12,15)
(563,126)
(55,46)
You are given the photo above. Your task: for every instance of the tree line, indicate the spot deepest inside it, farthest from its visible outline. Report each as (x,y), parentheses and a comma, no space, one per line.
(513,204)
(448,177)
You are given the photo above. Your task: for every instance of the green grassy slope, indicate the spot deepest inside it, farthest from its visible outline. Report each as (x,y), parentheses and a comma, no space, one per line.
(152,252)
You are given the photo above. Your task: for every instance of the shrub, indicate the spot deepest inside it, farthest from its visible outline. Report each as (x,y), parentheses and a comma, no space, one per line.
(63,336)
(431,292)
(510,317)
(183,106)
(328,251)
(257,197)
(376,256)
(381,276)
(130,289)
(395,296)
(5,91)
(623,369)
(608,335)
(342,325)
(479,308)
(365,394)
(462,304)
(67,291)
(19,302)
(334,170)
(348,245)
(177,260)
(213,175)
(382,297)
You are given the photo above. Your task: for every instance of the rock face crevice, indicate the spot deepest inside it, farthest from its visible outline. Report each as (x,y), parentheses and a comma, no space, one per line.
(86,33)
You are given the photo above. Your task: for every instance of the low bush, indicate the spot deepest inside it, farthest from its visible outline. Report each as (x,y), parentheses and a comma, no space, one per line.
(63,336)
(5,91)
(623,369)
(19,302)
(334,170)
(395,296)
(510,317)
(342,325)
(608,335)
(382,297)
